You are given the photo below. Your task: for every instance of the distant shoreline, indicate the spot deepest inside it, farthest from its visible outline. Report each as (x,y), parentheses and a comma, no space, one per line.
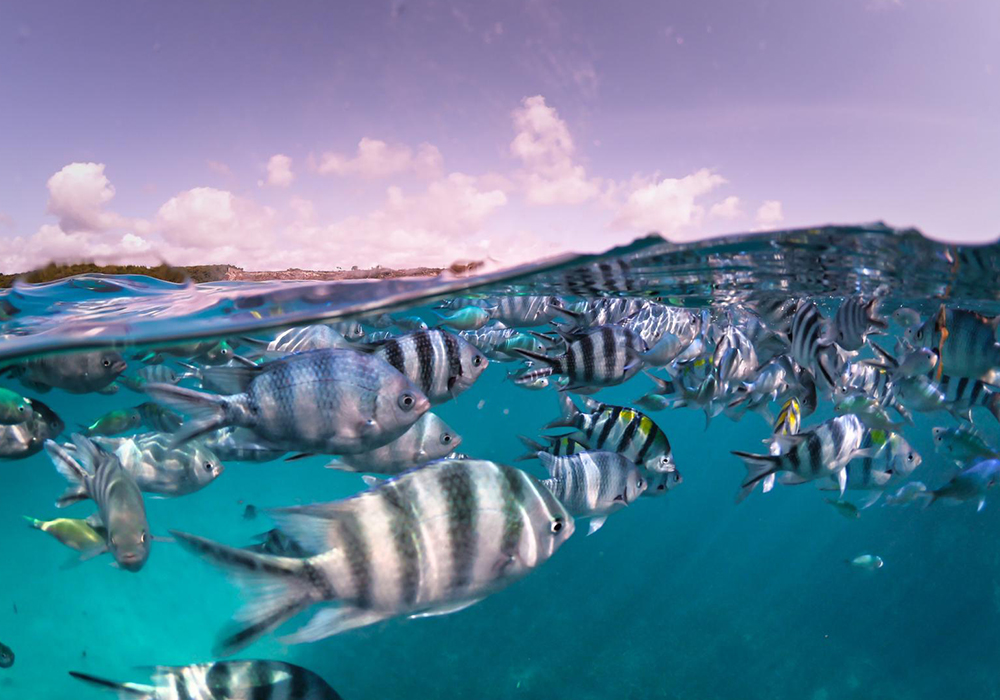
(219,273)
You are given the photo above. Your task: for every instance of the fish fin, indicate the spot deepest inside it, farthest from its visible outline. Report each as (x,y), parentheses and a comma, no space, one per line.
(982,504)
(568,413)
(73,494)
(208,410)
(550,462)
(533,447)
(66,465)
(232,379)
(124,690)
(331,621)
(310,525)
(867,452)
(88,554)
(553,362)
(446,609)
(758,467)
(283,588)
(787,442)
(767,483)
(870,499)
(299,455)
(596,524)
(33,522)
(370,481)
(842,480)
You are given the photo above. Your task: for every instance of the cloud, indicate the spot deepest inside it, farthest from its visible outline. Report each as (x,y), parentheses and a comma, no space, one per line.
(665,206)
(377,159)
(205,217)
(279,171)
(219,168)
(544,146)
(77,195)
(769,215)
(728,208)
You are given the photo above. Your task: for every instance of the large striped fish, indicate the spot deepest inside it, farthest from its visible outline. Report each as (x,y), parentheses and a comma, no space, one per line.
(593,484)
(617,429)
(966,343)
(430,541)
(223,680)
(604,356)
(322,401)
(854,320)
(113,489)
(428,439)
(818,453)
(440,363)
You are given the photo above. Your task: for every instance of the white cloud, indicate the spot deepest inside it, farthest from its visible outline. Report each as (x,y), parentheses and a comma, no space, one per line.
(219,168)
(769,215)
(77,195)
(279,171)
(728,208)
(544,145)
(377,159)
(665,206)
(205,217)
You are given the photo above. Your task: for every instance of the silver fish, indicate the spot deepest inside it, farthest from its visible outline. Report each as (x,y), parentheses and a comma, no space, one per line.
(431,541)
(76,373)
(603,356)
(25,439)
(440,363)
(970,484)
(428,439)
(593,484)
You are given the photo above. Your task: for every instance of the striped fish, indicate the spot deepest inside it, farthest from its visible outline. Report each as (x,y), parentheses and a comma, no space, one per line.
(152,374)
(304,338)
(604,356)
(789,422)
(854,320)
(816,454)
(894,458)
(322,401)
(962,394)
(617,429)
(593,484)
(223,680)
(810,347)
(526,311)
(119,501)
(431,541)
(965,341)
(428,439)
(776,310)
(156,417)
(440,363)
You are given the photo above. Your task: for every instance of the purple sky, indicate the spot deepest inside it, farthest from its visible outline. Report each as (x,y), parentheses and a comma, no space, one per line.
(317,134)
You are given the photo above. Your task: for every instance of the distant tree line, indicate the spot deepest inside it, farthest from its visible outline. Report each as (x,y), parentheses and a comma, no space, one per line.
(52,272)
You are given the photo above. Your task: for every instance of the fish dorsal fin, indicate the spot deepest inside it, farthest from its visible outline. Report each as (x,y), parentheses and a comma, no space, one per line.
(316,527)
(233,379)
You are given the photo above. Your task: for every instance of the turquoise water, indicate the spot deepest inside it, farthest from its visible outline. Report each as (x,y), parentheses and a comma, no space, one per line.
(684,596)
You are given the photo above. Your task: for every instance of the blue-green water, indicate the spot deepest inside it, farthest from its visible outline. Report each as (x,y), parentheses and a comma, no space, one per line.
(684,596)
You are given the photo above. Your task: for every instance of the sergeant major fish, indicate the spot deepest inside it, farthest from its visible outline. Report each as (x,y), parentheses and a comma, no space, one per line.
(428,439)
(428,542)
(604,356)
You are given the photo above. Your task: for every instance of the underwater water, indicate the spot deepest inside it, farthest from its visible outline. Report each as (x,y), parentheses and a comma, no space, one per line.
(685,595)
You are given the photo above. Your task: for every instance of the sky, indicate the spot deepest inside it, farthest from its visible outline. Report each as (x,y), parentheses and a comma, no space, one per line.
(402,133)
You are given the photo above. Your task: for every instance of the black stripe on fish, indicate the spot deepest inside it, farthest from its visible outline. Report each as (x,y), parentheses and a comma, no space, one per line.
(586,345)
(394,355)
(399,496)
(356,553)
(648,444)
(837,433)
(453,355)
(793,459)
(608,426)
(977,389)
(815,447)
(460,496)
(424,348)
(511,494)
(963,384)
(629,433)
(610,351)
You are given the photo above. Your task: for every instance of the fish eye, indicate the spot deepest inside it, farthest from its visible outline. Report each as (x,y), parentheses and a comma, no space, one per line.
(406,401)
(224,351)
(909,457)
(20,409)
(661,487)
(208,466)
(106,362)
(557,526)
(143,538)
(639,484)
(477,360)
(446,439)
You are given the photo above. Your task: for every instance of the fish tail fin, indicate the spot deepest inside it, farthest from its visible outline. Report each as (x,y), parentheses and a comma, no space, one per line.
(758,467)
(33,522)
(71,470)
(73,494)
(533,448)
(209,412)
(282,584)
(568,413)
(124,690)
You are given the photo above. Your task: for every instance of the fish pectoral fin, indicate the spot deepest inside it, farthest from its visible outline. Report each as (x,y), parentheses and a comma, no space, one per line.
(446,609)
(331,621)
(596,524)
(88,554)
(982,504)
(370,480)
(842,480)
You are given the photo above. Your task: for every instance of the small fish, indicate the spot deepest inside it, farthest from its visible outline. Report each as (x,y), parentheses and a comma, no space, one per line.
(854,320)
(868,411)
(119,501)
(653,402)
(114,423)
(222,680)
(76,373)
(845,508)
(907,493)
(75,534)
(250,512)
(25,439)
(352,330)
(241,445)
(304,338)
(428,439)
(14,408)
(906,317)
(593,484)
(970,484)
(156,417)
(469,318)
(277,542)
(411,324)
(869,562)
(963,443)
(444,551)
(965,342)
(6,656)
(321,401)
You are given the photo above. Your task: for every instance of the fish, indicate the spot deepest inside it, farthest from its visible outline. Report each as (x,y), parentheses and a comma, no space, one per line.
(428,542)
(119,501)
(155,417)
(658,483)
(468,318)
(970,484)
(241,445)
(869,562)
(854,320)
(845,508)
(352,330)
(593,484)
(558,446)
(74,533)
(14,408)
(277,542)
(527,311)
(156,374)
(321,401)
(440,363)
(222,680)
(26,439)
(868,411)
(965,342)
(411,324)
(963,443)
(250,512)
(114,422)
(76,373)
(815,454)
(428,439)
(617,429)
(907,493)
(604,356)
(653,402)
(304,338)
(6,656)
(906,317)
